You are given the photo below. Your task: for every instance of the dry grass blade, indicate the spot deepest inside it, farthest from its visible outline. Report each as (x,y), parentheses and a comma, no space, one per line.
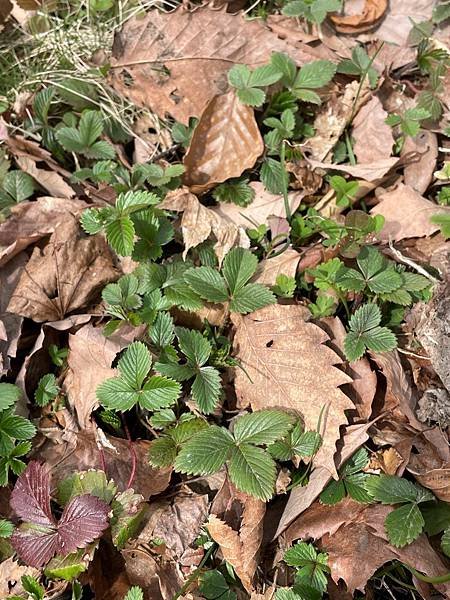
(225,143)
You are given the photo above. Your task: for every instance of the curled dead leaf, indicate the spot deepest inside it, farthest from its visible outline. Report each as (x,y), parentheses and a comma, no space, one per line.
(226,142)
(198,222)
(51,181)
(287,364)
(373,11)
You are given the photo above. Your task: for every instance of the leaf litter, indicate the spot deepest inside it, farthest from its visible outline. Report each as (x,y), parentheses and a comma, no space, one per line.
(224,339)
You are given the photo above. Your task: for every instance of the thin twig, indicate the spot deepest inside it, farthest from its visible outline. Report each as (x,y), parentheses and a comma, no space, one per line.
(132,452)
(408,261)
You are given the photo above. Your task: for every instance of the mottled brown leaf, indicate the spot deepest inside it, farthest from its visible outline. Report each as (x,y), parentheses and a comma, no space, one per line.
(419,175)
(373,137)
(176,62)
(399,18)
(288,365)
(199,222)
(67,275)
(226,142)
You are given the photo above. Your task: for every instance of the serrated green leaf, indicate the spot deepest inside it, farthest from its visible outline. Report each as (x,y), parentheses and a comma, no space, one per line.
(310,565)
(6,528)
(94,219)
(262,427)
(239,76)
(356,463)
(162,332)
(120,235)
(33,587)
(387,280)
(251,96)
(333,493)
(86,482)
(47,390)
(134,365)
(238,267)
(264,76)
(18,185)
(70,139)
(389,489)
(71,566)
(206,389)
(9,395)
(163,418)
(213,586)
(99,150)
(315,74)
(16,427)
(90,127)
(159,392)
(193,345)
(162,452)
(355,487)
(117,394)
(134,593)
(251,297)
(404,525)
(285,65)
(206,452)
(413,282)
(307,443)
(253,471)
(175,370)
(273,176)
(128,511)
(237,191)
(207,283)
(379,339)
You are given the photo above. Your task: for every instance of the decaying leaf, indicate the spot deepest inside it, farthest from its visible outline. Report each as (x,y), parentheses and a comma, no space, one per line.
(287,364)
(365,21)
(431,467)
(11,574)
(373,137)
(198,222)
(11,323)
(176,62)
(51,181)
(371,172)
(399,18)
(225,143)
(284,264)
(65,276)
(401,201)
(333,117)
(419,175)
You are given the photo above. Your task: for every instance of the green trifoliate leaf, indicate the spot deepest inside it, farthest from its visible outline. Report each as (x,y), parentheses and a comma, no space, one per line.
(262,427)
(13,427)
(365,332)
(9,395)
(207,283)
(120,235)
(47,390)
(253,471)
(404,525)
(251,297)
(162,332)
(128,511)
(86,482)
(6,528)
(135,593)
(311,565)
(206,452)
(162,452)
(193,345)
(389,489)
(206,389)
(159,392)
(135,364)
(238,267)
(186,429)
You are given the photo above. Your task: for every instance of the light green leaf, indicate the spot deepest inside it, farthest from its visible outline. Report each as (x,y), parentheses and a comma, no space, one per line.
(404,525)
(310,565)
(251,96)
(6,528)
(134,365)
(159,392)
(238,267)
(90,127)
(117,394)
(71,566)
(206,452)
(92,482)
(128,511)
(193,345)
(283,63)
(379,339)
(413,282)
(162,452)
(120,234)
(239,76)
(9,395)
(208,283)
(262,427)
(251,297)
(355,486)
(47,390)
(315,74)
(307,96)
(253,471)
(100,150)
(264,76)
(307,443)
(175,370)
(206,389)
(134,593)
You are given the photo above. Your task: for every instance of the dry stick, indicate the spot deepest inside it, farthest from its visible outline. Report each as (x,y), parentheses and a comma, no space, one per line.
(132,452)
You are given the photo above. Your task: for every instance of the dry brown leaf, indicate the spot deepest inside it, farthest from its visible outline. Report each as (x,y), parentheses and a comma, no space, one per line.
(51,181)
(389,461)
(11,323)
(32,221)
(197,49)
(429,468)
(91,355)
(226,142)
(67,458)
(401,201)
(285,264)
(11,574)
(159,580)
(5,9)
(333,117)
(258,212)
(288,365)
(65,276)
(373,137)
(198,222)
(370,16)
(399,18)
(302,497)
(369,172)
(419,175)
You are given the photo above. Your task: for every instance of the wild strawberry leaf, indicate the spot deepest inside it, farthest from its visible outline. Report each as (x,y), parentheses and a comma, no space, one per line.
(30,498)
(253,471)
(83,520)
(9,395)
(404,525)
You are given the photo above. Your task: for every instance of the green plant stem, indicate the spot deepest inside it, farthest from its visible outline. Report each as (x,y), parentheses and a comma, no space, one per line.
(361,83)
(287,208)
(348,144)
(426,578)
(195,573)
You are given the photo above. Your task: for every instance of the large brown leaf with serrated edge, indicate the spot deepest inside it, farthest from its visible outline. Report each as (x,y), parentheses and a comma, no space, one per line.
(176,62)
(225,143)
(287,364)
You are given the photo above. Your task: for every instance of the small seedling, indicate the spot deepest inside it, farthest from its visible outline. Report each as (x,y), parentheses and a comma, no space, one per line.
(237,191)
(314,11)
(84,138)
(351,481)
(366,333)
(345,190)
(47,390)
(248,83)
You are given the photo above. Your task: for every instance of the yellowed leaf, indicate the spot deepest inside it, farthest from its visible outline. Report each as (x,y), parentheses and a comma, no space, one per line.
(198,222)
(176,62)
(287,364)
(373,11)
(225,143)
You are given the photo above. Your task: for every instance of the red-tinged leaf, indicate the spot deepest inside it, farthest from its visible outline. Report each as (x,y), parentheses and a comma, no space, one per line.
(30,498)
(84,519)
(35,545)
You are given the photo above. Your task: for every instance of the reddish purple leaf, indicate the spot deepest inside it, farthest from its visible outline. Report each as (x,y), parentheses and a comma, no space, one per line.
(84,519)
(34,545)
(30,498)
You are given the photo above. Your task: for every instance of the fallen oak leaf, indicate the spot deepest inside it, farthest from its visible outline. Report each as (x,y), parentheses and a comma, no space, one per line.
(287,364)
(198,222)
(373,11)
(40,536)
(226,142)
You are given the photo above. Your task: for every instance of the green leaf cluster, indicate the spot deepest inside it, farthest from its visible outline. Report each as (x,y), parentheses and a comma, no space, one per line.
(351,481)
(409,122)
(345,190)
(405,523)
(238,191)
(84,138)
(296,443)
(359,65)
(314,11)
(366,333)
(47,390)
(311,569)
(231,285)
(134,386)
(214,586)
(251,468)
(248,83)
